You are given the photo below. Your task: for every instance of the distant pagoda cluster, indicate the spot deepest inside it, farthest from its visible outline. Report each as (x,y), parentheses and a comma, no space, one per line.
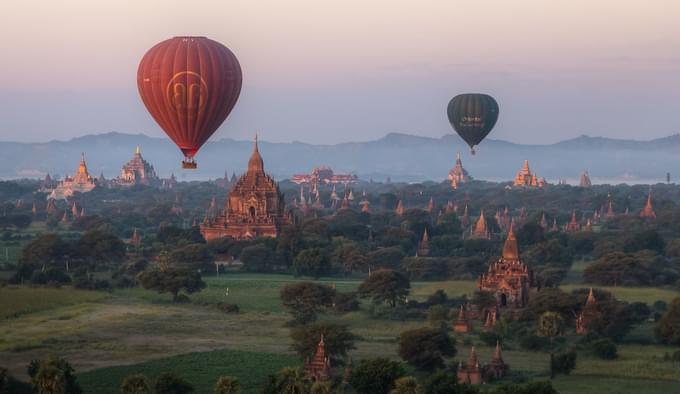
(525,178)
(323,176)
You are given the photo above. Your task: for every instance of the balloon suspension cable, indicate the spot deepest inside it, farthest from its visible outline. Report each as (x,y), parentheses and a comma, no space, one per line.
(189,163)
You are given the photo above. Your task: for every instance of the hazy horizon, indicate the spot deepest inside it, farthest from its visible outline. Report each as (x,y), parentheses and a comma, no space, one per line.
(353,71)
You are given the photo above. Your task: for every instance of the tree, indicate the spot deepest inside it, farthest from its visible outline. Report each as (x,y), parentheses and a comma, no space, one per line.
(387,286)
(169,383)
(425,347)
(53,376)
(668,328)
(312,262)
(11,385)
(444,382)
(551,300)
(338,340)
(388,258)
(604,348)
(48,250)
(135,384)
(305,299)
(321,387)
(171,280)
(407,385)
(550,325)
(484,299)
(289,243)
(292,381)
(647,239)
(257,258)
(347,256)
(563,363)
(375,376)
(529,388)
(193,256)
(438,315)
(227,385)
(100,247)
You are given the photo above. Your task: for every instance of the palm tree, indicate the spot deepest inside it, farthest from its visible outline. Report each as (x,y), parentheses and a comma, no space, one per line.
(550,325)
(227,385)
(292,381)
(407,385)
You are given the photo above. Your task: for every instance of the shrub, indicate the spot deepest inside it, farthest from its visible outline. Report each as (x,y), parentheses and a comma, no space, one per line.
(375,376)
(563,362)
(534,343)
(169,383)
(227,385)
(227,308)
(135,384)
(604,348)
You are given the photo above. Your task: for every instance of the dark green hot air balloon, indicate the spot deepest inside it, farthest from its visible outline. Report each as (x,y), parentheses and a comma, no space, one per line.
(472,115)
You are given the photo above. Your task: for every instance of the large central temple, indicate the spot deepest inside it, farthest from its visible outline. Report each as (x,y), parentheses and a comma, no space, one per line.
(254,207)
(509,279)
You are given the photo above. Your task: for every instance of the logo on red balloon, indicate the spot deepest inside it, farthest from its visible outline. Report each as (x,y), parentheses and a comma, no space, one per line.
(187,92)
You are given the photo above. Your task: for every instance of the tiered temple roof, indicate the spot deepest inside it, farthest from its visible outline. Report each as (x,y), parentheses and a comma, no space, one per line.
(509,279)
(458,174)
(137,171)
(481,230)
(319,367)
(254,207)
(573,224)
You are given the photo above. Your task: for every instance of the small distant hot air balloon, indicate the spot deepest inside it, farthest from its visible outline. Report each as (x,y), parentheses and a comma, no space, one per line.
(189,85)
(472,115)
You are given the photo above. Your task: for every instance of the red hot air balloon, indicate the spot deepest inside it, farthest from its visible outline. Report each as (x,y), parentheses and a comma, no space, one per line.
(189,85)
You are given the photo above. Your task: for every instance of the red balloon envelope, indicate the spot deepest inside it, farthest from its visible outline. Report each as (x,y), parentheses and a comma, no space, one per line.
(189,85)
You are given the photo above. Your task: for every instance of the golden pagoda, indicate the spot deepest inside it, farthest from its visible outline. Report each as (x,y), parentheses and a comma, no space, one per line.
(458,174)
(82,182)
(525,178)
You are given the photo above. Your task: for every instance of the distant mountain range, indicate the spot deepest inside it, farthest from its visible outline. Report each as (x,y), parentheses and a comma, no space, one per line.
(400,156)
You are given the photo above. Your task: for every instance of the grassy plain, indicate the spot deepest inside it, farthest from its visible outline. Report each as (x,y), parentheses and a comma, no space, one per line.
(108,336)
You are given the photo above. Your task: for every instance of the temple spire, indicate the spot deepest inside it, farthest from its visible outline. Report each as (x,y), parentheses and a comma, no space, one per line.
(256,164)
(510,248)
(591,298)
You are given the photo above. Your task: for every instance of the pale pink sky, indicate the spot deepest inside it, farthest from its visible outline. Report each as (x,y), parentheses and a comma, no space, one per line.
(330,71)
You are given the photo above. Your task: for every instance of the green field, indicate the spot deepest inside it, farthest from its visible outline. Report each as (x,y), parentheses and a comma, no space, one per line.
(107,336)
(200,369)
(19,300)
